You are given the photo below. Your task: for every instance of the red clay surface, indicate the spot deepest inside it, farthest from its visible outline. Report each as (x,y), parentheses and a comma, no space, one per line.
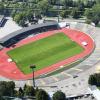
(10,70)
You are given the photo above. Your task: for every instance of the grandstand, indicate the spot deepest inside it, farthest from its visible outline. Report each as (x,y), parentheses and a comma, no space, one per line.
(16,36)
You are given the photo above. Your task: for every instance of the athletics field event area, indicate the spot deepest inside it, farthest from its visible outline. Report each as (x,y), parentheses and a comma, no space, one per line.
(49,51)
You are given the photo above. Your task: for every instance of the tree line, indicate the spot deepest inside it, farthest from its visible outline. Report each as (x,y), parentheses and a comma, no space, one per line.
(25,10)
(9,89)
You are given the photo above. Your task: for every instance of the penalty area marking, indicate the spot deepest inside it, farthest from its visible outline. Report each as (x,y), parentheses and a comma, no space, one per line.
(55,78)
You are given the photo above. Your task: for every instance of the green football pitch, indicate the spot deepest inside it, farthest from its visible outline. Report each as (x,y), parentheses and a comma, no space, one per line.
(44,52)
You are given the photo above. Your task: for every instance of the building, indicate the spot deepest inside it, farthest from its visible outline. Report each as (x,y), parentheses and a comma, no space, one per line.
(2,18)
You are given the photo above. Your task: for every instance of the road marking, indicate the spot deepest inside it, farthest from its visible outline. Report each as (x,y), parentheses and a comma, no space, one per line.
(29,83)
(67,74)
(97,48)
(78,69)
(98,58)
(55,78)
(42,81)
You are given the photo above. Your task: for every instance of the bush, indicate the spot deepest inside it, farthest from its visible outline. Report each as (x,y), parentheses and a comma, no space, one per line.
(42,95)
(94,79)
(88,21)
(59,96)
(75,13)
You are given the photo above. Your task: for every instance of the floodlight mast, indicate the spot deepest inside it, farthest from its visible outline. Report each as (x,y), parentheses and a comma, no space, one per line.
(58,8)
(32,67)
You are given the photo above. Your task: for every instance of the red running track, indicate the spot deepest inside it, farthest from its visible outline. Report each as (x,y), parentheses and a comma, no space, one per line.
(10,70)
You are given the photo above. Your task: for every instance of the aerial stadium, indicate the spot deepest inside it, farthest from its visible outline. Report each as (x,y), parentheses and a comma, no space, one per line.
(47,45)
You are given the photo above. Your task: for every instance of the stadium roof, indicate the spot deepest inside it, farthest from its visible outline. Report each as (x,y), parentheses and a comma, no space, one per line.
(26,29)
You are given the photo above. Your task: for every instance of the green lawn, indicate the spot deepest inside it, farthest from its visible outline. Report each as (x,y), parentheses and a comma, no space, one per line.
(98,87)
(98,25)
(44,52)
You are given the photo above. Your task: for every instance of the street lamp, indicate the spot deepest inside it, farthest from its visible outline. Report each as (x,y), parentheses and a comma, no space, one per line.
(32,67)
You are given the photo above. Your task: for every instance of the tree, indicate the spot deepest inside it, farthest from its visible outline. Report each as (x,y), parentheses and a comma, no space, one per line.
(22,23)
(90,3)
(97,1)
(2,88)
(20,93)
(64,13)
(42,95)
(1,8)
(88,13)
(59,96)
(81,7)
(53,2)
(38,14)
(67,3)
(7,88)
(25,86)
(93,14)
(75,13)
(44,6)
(29,91)
(96,14)
(20,18)
(1,98)
(94,79)
(96,19)
(36,90)
(29,15)
(10,86)
(13,13)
